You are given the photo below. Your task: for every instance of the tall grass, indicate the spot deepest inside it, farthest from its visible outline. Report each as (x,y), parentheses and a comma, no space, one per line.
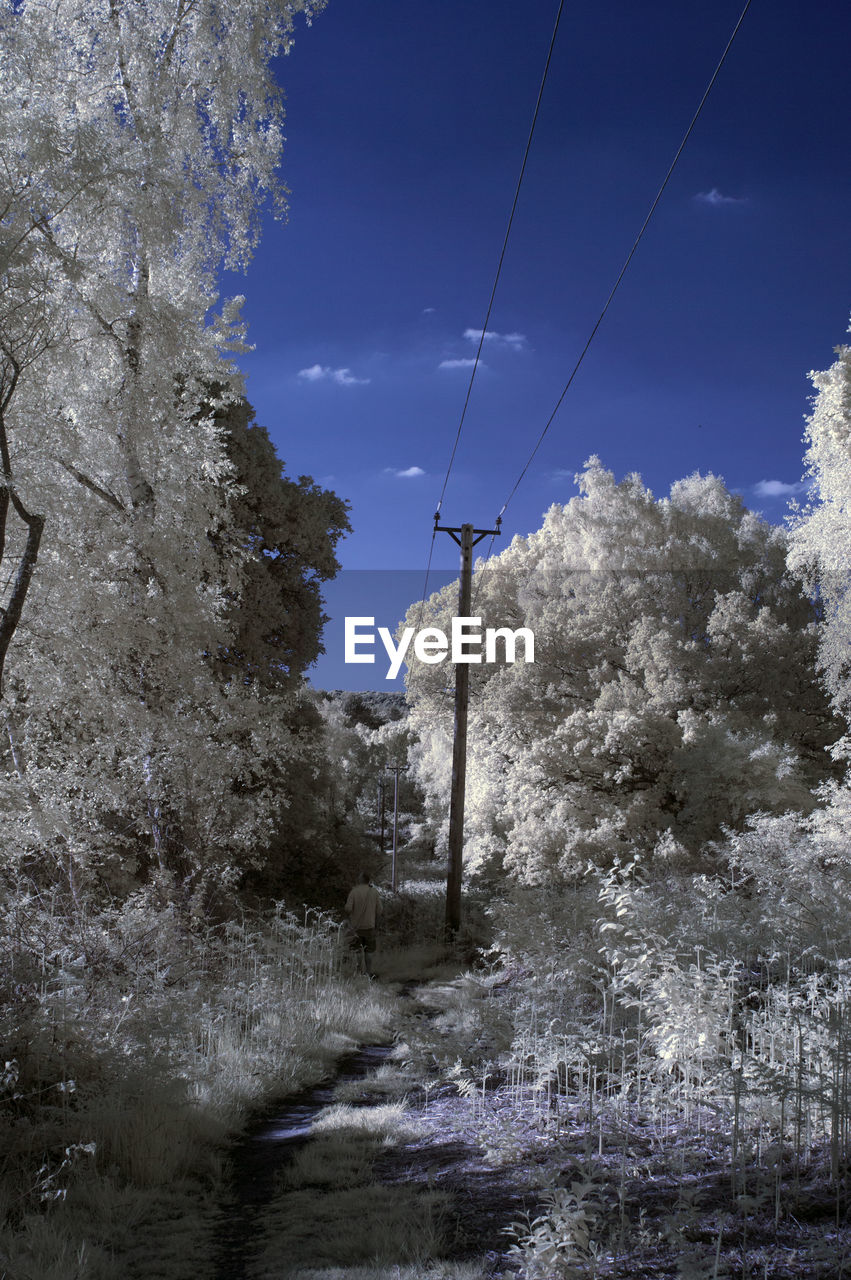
(668,1022)
(133,1041)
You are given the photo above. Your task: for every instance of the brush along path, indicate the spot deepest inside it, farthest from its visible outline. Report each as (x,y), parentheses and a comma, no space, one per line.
(621,1184)
(415,1170)
(378,1174)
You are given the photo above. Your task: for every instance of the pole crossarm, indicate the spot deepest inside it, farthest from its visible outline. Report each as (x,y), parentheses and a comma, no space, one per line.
(455,530)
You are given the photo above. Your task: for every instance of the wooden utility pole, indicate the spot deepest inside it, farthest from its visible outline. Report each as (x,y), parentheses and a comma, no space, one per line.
(467,537)
(396,768)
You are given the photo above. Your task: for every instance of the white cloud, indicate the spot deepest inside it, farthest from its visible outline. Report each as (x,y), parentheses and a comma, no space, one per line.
(409,473)
(515,340)
(459,364)
(428,311)
(344,377)
(776,488)
(714,197)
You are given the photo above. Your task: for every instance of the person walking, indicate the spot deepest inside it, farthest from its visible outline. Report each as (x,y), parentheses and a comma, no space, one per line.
(363,907)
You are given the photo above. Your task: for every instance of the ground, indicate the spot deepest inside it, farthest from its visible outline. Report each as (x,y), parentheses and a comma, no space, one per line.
(421,1161)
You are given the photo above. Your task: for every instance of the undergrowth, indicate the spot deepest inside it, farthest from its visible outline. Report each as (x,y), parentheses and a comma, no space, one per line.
(662,1064)
(676,1087)
(132,1041)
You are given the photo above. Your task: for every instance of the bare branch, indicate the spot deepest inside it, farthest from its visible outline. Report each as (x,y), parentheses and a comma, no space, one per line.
(62,257)
(92,485)
(11,615)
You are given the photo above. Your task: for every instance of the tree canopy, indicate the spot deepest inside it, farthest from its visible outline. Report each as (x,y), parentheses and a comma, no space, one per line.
(820,536)
(139,145)
(673,690)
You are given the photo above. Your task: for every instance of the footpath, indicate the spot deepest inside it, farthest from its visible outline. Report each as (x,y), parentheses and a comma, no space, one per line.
(389,1171)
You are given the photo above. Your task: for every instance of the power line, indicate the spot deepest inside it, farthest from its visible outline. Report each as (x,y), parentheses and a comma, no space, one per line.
(502,255)
(468,534)
(608,301)
(490,303)
(629,258)
(427,572)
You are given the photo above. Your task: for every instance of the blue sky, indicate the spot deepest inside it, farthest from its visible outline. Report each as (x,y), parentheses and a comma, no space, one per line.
(406,127)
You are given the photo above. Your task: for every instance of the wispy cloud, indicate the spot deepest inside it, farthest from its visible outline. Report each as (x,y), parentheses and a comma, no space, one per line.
(515,340)
(320,372)
(461,363)
(716,198)
(409,473)
(428,311)
(777,488)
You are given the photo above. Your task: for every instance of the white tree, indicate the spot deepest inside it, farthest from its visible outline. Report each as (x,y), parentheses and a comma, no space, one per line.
(820,537)
(673,688)
(139,142)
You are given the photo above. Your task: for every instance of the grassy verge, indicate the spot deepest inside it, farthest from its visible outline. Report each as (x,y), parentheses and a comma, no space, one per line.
(134,1043)
(673,1093)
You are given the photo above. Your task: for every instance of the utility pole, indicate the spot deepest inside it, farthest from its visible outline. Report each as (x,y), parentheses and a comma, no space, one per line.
(467,537)
(381,813)
(395,768)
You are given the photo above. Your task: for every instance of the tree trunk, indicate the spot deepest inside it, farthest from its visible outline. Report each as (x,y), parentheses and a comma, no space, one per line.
(10,616)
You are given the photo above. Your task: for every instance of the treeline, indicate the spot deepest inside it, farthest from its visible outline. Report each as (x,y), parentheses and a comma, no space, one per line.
(675,690)
(161,576)
(658,819)
(166,775)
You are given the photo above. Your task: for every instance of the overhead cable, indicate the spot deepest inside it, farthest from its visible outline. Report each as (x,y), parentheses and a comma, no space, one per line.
(629,258)
(490,301)
(502,254)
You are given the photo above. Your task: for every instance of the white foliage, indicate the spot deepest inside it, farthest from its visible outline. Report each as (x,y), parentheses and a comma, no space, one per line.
(673,690)
(139,143)
(820,537)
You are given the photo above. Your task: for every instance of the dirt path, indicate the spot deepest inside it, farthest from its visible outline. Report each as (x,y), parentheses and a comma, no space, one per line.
(271,1143)
(374,1174)
(412,1163)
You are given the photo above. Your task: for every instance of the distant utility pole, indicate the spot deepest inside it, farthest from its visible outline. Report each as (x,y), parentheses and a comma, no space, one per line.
(467,537)
(395,768)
